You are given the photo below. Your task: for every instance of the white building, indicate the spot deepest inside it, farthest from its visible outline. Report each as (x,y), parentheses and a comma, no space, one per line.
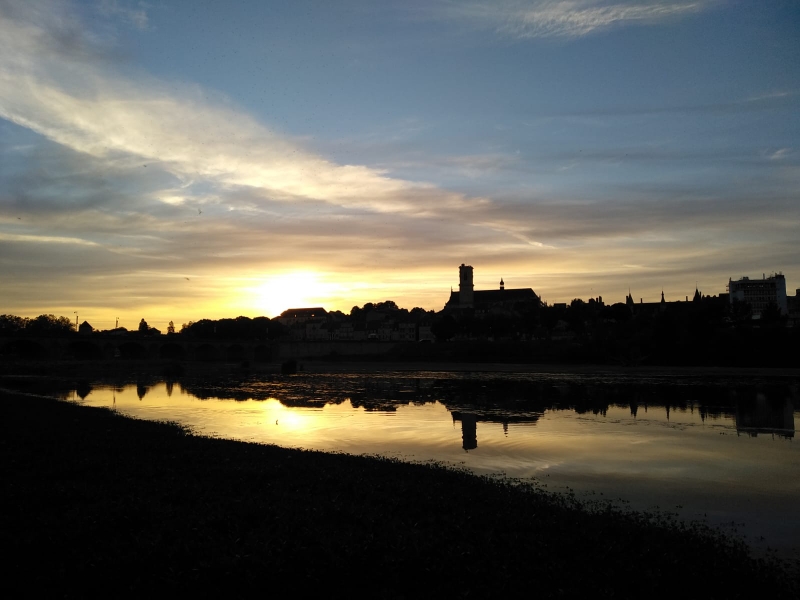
(759,293)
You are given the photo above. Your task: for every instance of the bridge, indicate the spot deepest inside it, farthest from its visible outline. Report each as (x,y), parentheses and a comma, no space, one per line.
(99,346)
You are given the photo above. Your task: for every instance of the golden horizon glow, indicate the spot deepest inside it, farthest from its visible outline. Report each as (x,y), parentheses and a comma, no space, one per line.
(292,289)
(134,189)
(228,295)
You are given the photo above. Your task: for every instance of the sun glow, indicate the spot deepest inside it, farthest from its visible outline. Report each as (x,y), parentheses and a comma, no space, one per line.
(291,419)
(296,289)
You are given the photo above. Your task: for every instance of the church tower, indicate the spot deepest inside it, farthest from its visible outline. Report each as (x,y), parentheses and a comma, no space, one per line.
(465,287)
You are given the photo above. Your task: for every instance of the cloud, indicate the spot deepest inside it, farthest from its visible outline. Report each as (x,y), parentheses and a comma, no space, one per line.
(648,215)
(784,100)
(75,100)
(780,154)
(135,16)
(568,18)
(127,163)
(104,172)
(44,239)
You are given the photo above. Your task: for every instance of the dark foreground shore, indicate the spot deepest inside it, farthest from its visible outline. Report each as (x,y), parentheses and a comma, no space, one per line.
(95,503)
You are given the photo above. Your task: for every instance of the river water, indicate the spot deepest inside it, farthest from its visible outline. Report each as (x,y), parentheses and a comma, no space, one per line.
(719,451)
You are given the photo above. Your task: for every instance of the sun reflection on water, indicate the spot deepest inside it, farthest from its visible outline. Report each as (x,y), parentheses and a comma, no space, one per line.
(688,455)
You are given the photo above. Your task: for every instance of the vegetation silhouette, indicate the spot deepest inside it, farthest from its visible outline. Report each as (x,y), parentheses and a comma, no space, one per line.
(708,331)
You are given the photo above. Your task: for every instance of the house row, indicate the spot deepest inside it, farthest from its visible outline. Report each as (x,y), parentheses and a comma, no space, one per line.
(316,324)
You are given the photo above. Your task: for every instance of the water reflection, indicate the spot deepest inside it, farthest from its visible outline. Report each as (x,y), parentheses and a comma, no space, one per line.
(752,409)
(386,395)
(774,417)
(469,429)
(655,443)
(83,389)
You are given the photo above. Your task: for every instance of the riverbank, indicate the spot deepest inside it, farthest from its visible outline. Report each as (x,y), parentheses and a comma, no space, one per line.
(98,503)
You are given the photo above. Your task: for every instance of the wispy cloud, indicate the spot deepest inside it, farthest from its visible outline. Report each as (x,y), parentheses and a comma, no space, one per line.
(780,154)
(763,102)
(44,239)
(129,192)
(523,19)
(135,14)
(77,102)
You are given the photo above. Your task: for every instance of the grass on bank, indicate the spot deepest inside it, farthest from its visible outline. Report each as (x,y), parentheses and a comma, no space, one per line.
(96,503)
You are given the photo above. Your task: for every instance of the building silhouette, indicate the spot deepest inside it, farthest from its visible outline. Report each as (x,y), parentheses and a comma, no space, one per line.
(302,315)
(483,301)
(766,417)
(469,432)
(760,293)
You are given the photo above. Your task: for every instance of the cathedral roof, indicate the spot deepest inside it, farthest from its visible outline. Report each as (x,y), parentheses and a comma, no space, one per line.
(487,298)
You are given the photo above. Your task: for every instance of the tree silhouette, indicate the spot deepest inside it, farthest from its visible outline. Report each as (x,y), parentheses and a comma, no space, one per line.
(49,324)
(12,324)
(771,316)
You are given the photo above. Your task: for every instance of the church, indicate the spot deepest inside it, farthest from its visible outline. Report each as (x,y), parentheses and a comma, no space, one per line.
(485,301)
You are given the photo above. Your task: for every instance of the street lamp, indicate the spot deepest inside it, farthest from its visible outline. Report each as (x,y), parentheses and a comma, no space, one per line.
(76,319)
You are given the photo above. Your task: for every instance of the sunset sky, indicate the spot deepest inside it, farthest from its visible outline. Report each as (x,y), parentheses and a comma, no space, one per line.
(182,159)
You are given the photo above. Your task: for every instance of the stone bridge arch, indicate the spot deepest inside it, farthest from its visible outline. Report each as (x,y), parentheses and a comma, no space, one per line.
(172,351)
(262,353)
(131,350)
(236,353)
(206,352)
(84,350)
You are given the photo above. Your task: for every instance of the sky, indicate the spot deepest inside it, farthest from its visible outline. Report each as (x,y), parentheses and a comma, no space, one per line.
(187,159)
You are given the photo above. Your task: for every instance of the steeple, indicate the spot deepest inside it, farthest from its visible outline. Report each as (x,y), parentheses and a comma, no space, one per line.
(662,297)
(502,284)
(465,286)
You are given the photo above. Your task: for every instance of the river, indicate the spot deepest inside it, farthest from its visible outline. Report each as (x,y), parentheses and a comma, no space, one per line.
(721,450)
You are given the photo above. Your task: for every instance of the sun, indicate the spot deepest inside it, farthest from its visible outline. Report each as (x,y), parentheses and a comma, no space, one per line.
(295,289)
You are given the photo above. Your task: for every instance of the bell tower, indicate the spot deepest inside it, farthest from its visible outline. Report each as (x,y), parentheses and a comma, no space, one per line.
(465,287)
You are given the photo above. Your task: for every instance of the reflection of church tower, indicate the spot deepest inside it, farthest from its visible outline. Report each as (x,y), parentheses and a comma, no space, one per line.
(83,389)
(469,431)
(465,287)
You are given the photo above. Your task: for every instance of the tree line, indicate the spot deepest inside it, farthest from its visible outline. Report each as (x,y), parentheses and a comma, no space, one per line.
(46,325)
(707,332)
